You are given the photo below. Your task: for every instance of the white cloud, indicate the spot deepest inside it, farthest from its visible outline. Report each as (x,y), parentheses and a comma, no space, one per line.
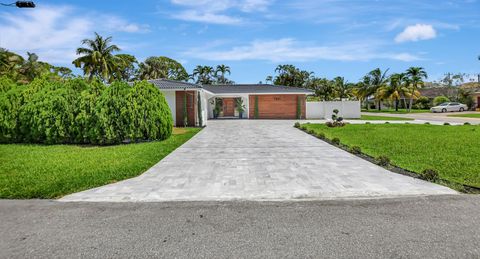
(288,49)
(416,32)
(195,16)
(55,32)
(214,11)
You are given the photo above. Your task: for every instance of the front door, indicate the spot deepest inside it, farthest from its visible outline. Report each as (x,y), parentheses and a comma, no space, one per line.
(228,107)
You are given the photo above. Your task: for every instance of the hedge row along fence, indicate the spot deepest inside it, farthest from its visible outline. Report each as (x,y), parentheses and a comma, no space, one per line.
(75,111)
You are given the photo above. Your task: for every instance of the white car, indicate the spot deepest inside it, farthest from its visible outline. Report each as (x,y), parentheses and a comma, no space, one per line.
(449,107)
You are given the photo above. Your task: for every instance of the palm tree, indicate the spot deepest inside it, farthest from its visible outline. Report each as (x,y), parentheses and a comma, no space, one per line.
(377,79)
(203,74)
(269,79)
(342,88)
(415,76)
(97,58)
(363,90)
(10,63)
(394,90)
(222,70)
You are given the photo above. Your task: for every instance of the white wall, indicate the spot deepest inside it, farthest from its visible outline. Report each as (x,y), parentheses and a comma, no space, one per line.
(170,96)
(324,110)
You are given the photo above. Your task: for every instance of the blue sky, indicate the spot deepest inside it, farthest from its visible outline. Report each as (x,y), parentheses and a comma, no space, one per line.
(329,37)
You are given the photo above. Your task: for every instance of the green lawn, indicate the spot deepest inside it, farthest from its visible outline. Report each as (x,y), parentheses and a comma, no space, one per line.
(39,171)
(400,111)
(382,118)
(451,150)
(466,115)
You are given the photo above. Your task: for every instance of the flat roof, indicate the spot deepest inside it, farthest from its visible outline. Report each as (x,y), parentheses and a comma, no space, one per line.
(255,89)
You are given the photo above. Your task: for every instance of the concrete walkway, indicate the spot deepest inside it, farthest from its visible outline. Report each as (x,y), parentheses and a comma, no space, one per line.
(259,160)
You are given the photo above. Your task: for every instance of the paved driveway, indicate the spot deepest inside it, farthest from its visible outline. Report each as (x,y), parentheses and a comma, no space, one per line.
(258,160)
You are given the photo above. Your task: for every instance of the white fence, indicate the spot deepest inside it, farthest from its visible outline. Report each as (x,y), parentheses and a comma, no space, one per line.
(324,110)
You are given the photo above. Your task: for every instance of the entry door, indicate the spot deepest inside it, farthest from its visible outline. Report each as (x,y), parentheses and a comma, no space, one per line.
(228,107)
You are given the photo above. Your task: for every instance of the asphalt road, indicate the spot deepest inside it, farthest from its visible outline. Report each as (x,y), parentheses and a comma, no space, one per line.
(417,227)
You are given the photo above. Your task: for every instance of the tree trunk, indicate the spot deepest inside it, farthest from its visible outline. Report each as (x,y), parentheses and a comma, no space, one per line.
(410,105)
(366,103)
(396,105)
(379,105)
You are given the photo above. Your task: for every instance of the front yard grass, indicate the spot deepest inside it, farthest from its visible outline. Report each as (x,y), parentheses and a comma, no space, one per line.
(40,171)
(450,150)
(466,115)
(382,118)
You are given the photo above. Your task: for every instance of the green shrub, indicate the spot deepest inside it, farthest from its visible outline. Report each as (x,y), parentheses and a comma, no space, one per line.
(368,122)
(387,122)
(467,123)
(356,150)
(303,127)
(383,160)
(427,123)
(446,123)
(422,103)
(430,175)
(440,99)
(336,141)
(297,125)
(74,111)
(320,135)
(311,131)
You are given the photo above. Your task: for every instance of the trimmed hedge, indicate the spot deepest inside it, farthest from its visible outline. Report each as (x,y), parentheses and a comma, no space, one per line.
(76,111)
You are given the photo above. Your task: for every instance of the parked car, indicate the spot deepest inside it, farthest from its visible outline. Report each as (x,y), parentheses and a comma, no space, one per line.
(449,107)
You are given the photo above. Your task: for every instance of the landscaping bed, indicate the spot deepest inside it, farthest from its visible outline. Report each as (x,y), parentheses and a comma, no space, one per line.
(450,151)
(51,171)
(467,115)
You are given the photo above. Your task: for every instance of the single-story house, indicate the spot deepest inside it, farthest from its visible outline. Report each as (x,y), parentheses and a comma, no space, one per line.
(193,104)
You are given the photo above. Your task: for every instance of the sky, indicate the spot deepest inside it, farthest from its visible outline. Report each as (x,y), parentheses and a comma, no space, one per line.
(329,37)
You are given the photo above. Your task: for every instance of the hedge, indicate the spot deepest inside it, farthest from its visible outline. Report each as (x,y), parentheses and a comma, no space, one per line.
(75,111)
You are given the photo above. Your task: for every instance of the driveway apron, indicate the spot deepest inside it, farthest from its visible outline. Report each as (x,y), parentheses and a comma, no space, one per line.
(259,160)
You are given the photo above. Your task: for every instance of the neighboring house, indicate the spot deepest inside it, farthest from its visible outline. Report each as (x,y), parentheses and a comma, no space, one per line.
(272,102)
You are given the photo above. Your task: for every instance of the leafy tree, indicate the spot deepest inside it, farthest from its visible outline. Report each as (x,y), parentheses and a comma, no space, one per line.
(125,68)
(363,90)
(415,76)
(440,99)
(289,75)
(269,79)
(324,88)
(161,67)
(98,59)
(10,63)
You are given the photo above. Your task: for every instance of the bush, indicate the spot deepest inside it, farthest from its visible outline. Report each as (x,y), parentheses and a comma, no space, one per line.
(387,122)
(74,111)
(311,131)
(422,103)
(320,135)
(467,123)
(430,175)
(446,123)
(297,125)
(383,161)
(368,122)
(356,150)
(427,123)
(303,127)
(336,141)
(440,99)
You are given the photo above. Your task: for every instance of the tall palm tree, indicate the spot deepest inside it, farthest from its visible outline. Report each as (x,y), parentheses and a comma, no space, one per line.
(394,90)
(97,58)
(222,70)
(203,74)
(363,91)
(415,76)
(377,79)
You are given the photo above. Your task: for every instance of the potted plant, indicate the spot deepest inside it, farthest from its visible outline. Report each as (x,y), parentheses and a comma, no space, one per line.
(218,108)
(240,107)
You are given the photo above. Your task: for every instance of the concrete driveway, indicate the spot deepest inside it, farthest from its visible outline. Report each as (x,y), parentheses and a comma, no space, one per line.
(259,160)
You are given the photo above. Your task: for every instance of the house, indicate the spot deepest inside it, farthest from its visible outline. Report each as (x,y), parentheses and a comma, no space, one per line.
(193,104)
